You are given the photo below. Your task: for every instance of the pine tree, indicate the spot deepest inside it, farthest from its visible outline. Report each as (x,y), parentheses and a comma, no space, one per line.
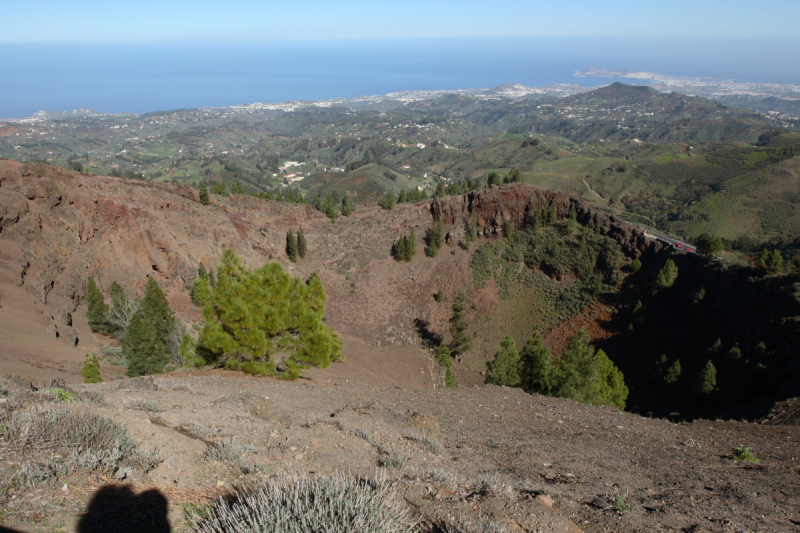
(201,271)
(291,246)
(399,249)
(459,342)
(387,201)
(707,379)
(536,366)
(347,206)
(253,314)
(584,376)
(91,370)
(667,275)
(435,238)
(146,342)
(155,309)
(329,208)
(301,243)
(673,373)
(411,245)
(204,199)
(97,310)
(505,369)
(493,179)
(449,378)
(552,214)
(238,188)
(439,191)
(145,352)
(771,262)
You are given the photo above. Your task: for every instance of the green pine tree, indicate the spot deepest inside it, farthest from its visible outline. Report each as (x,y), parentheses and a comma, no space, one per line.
(97,310)
(493,179)
(435,238)
(536,366)
(329,208)
(146,342)
(771,262)
(291,246)
(301,243)
(667,275)
(449,378)
(584,376)
(505,369)
(460,341)
(411,245)
(145,352)
(91,370)
(399,249)
(204,199)
(238,188)
(439,191)
(707,380)
(673,373)
(252,315)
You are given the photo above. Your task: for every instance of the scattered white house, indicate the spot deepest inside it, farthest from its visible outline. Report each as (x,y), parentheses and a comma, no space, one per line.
(420,146)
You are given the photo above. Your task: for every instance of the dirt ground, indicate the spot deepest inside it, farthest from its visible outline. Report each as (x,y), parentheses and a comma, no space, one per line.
(674,477)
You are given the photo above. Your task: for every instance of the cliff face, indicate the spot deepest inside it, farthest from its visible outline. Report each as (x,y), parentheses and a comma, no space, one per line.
(517,203)
(58,228)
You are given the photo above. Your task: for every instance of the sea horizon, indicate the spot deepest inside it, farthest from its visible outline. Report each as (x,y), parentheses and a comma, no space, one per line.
(139,78)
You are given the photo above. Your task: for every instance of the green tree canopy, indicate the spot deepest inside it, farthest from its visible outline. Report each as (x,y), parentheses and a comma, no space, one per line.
(586,376)
(253,315)
(459,342)
(771,262)
(97,310)
(291,246)
(536,366)
(204,194)
(302,246)
(505,369)
(667,275)
(709,244)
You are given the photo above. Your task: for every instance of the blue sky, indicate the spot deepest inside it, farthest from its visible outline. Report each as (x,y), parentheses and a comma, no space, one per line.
(31,21)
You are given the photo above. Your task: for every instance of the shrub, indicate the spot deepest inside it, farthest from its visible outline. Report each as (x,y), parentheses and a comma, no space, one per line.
(84,439)
(232,452)
(439,297)
(740,453)
(62,395)
(619,503)
(91,370)
(338,504)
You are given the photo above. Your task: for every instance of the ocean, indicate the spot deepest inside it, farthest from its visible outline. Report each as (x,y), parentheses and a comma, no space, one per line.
(140,78)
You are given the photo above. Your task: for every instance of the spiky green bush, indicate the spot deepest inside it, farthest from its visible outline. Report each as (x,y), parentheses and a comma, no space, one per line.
(290,504)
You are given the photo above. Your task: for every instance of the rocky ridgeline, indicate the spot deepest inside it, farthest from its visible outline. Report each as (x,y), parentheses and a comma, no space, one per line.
(57,228)
(517,203)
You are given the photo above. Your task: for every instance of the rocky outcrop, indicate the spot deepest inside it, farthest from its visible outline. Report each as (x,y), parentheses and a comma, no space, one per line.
(517,203)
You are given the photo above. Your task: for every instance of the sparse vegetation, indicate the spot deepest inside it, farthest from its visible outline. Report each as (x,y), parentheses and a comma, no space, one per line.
(339,504)
(740,453)
(619,503)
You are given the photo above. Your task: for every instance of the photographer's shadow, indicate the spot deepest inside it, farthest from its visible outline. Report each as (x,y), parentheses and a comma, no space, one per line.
(117,509)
